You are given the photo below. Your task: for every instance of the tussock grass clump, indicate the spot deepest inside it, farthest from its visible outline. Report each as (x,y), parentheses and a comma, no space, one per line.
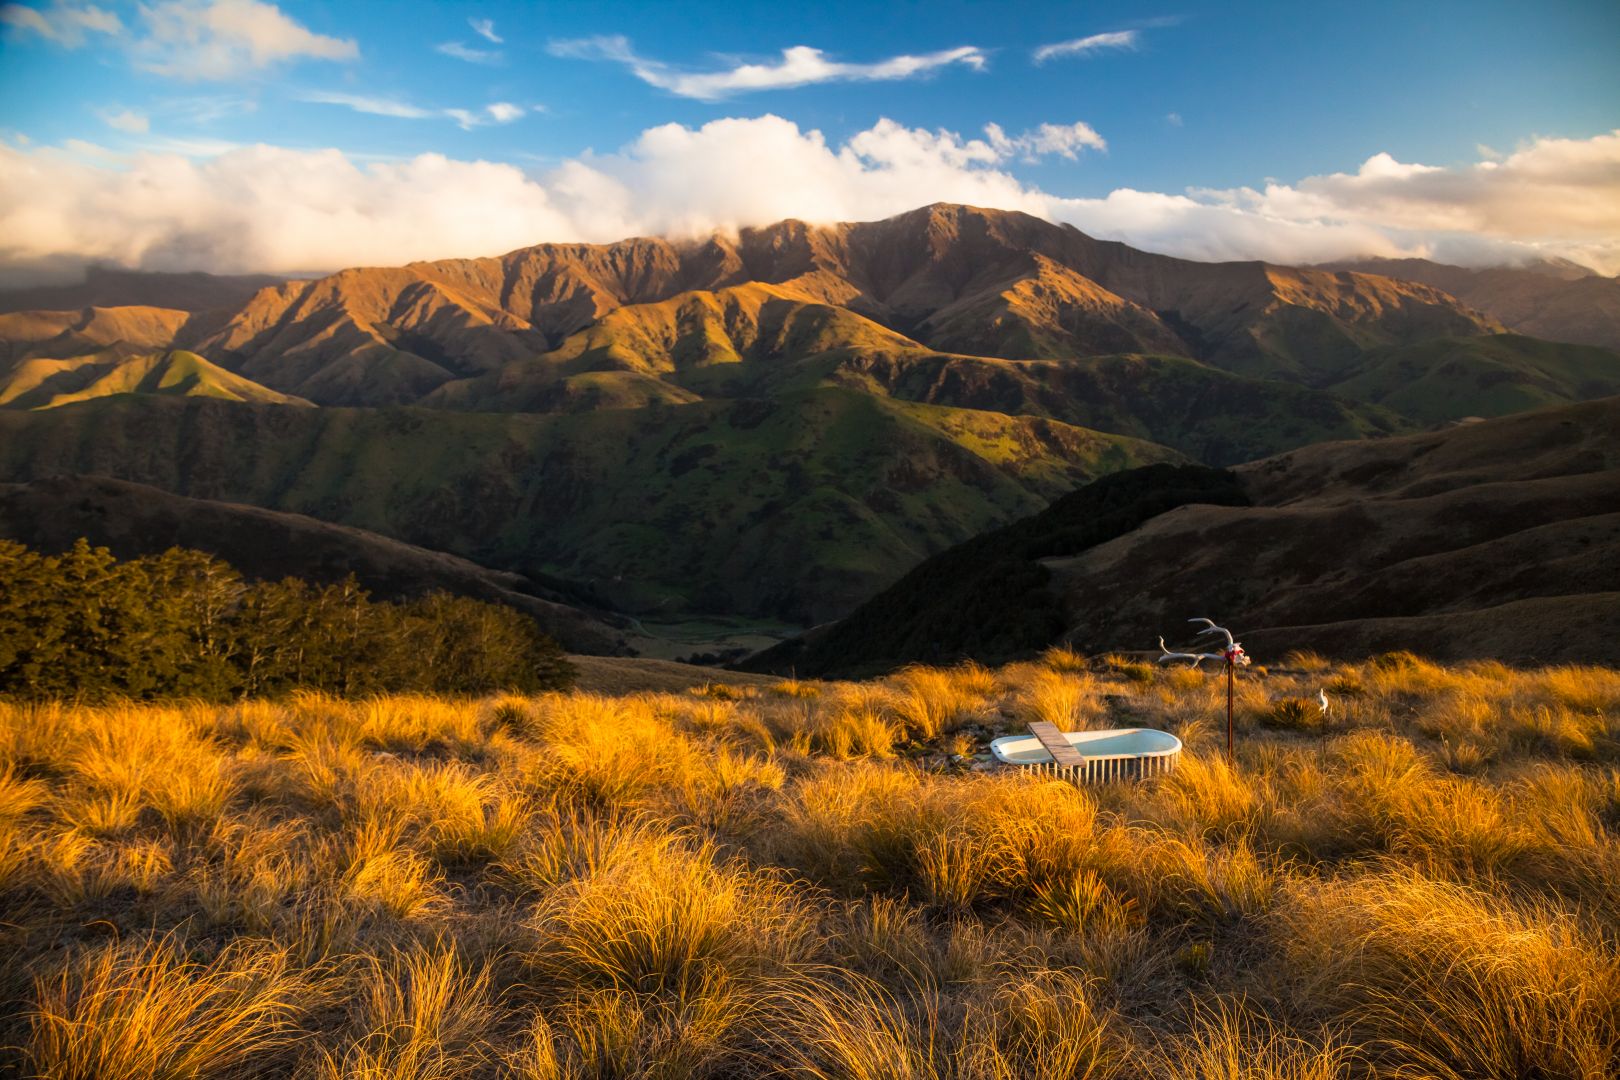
(458,816)
(1046,1025)
(930,702)
(669,920)
(421,1014)
(1228,1042)
(608,1033)
(142,1011)
(1065,659)
(1453,983)
(795,688)
(1070,701)
(858,721)
(380,875)
(1293,714)
(1135,671)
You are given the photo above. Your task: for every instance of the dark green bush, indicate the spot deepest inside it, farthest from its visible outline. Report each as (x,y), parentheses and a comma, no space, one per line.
(183,624)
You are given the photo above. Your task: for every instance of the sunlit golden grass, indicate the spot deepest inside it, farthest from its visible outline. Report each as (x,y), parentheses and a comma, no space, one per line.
(143,1010)
(420,1014)
(1456,983)
(824,879)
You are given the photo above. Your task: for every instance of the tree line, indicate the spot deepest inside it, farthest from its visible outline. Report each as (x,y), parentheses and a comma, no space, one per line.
(84,624)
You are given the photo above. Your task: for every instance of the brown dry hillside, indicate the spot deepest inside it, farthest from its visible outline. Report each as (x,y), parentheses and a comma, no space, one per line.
(1555,300)
(1499,538)
(133,520)
(123,331)
(946,278)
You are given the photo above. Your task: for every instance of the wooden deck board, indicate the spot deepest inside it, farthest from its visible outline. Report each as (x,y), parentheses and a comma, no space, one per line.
(1062,751)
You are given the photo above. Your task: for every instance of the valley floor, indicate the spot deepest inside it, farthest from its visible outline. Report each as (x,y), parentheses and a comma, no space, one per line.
(754,877)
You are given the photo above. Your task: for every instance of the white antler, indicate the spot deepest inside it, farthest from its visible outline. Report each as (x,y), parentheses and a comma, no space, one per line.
(1211,628)
(1233,653)
(1195,657)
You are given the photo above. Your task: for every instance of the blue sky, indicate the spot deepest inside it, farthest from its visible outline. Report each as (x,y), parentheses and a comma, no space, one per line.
(1147,99)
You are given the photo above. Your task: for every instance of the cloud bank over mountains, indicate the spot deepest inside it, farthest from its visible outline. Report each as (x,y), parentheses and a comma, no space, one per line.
(276,209)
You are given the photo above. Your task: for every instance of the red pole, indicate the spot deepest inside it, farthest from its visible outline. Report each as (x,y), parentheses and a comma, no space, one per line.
(1229,758)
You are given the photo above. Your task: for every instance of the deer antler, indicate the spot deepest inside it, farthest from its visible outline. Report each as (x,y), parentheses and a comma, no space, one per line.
(1233,653)
(1196,658)
(1211,628)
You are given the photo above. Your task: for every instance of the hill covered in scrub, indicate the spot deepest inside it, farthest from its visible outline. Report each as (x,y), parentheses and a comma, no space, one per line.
(134,520)
(807,880)
(1495,539)
(82,625)
(772,426)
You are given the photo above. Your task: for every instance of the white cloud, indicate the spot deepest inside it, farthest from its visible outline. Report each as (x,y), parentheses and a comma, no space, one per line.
(470,55)
(205,109)
(67,24)
(1065,140)
(220,39)
(485,28)
(371,106)
(127,120)
(1554,190)
(188,146)
(800,65)
(499,112)
(269,208)
(1119,39)
(1173,119)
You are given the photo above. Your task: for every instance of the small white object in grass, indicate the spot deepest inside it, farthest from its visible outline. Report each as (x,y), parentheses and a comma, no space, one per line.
(1321,696)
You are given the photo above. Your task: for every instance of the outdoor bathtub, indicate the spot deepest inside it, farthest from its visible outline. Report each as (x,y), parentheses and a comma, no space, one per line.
(1113,754)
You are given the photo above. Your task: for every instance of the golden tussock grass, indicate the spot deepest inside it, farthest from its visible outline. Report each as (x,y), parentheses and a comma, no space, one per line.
(142,1010)
(816,879)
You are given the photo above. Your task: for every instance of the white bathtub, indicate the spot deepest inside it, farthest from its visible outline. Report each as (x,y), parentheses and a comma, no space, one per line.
(1111,754)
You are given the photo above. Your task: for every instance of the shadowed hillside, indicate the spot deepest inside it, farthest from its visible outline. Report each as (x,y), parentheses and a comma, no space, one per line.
(1493,539)
(1555,300)
(135,520)
(797,507)
(992,598)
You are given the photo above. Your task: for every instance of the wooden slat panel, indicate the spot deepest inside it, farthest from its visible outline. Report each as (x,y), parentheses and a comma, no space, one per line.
(1062,751)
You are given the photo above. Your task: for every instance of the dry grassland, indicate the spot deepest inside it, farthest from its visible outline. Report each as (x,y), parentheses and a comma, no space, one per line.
(808,879)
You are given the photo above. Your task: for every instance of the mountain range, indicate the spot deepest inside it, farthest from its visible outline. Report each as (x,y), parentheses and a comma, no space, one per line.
(772,425)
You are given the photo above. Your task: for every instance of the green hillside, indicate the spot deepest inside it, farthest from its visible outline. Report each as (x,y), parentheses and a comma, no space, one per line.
(1208,414)
(50,384)
(1451,378)
(798,507)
